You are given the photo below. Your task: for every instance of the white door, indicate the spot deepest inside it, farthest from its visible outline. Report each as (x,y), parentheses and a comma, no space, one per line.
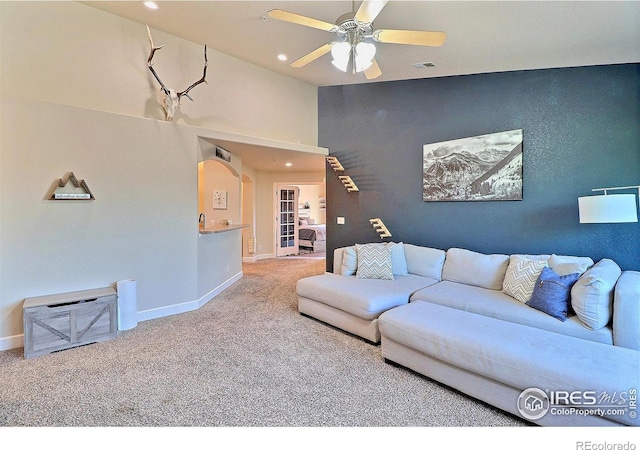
(286,220)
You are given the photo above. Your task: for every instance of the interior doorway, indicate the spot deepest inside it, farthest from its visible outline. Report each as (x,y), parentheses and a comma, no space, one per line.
(286,220)
(309,226)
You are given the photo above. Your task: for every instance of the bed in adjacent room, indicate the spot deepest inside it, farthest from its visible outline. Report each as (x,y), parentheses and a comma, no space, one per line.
(312,236)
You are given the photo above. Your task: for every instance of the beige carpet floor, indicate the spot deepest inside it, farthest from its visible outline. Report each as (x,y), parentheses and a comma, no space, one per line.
(246,359)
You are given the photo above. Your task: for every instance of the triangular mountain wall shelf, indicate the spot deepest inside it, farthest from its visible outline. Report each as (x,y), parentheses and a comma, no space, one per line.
(78,191)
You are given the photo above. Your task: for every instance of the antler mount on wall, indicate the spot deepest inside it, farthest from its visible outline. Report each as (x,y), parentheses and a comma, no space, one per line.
(171,98)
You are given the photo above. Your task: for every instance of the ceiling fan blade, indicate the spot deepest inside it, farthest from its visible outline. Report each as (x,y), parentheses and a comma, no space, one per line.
(309,57)
(369,10)
(300,20)
(430,38)
(373,71)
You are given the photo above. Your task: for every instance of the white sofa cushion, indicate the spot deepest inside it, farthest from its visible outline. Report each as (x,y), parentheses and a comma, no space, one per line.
(521,276)
(424,261)
(564,265)
(349,261)
(492,303)
(475,269)
(517,356)
(365,299)
(398,259)
(626,314)
(592,295)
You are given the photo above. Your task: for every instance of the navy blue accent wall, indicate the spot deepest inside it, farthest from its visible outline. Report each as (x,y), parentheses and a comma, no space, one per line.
(581,130)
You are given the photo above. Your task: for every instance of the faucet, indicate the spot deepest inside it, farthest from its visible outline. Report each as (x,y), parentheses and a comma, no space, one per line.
(202,220)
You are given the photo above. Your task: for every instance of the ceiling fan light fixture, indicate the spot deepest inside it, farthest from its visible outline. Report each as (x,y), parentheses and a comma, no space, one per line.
(341,64)
(365,52)
(351,52)
(362,64)
(340,53)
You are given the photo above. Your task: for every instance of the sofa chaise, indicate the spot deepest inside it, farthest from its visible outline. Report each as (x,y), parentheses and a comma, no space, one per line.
(552,339)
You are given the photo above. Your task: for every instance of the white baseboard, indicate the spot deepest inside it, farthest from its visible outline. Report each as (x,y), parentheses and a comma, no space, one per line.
(255,258)
(179,308)
(266,256)
(16,341)
(10,342)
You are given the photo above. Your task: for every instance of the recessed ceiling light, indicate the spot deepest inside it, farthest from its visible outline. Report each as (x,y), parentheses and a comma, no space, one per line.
(288,164)
(282,57)
(151,5)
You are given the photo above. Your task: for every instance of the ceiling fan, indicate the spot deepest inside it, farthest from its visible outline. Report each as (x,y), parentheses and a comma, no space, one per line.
(354,47)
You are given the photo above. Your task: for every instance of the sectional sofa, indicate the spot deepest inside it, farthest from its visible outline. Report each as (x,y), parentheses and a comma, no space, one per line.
(552,339)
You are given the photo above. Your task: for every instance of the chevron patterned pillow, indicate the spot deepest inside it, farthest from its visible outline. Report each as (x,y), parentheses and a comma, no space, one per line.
(521,277)
(374,261)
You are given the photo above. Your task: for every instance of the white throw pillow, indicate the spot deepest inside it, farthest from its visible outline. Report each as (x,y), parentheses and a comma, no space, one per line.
(564,265)
(398,259)
(592,295)
(349,261)
(374,261)
(521,276)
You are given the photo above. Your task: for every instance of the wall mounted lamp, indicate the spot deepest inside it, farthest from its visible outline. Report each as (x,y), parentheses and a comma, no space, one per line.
(615,208)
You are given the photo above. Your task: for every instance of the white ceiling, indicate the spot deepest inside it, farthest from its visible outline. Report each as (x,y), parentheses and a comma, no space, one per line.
(482,36)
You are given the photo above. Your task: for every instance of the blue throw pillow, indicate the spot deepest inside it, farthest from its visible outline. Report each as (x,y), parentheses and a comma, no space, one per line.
(552,293)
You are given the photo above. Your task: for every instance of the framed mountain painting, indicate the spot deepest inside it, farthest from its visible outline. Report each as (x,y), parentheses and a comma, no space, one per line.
(480,168)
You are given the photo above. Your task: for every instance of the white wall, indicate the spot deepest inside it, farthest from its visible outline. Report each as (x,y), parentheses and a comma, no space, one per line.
(72,54)
(77,96)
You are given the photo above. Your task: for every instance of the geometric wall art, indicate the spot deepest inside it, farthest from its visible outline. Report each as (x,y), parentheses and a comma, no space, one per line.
(479,168)
(76,190)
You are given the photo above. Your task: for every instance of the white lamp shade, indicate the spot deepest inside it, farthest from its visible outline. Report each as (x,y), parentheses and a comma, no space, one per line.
(365,52)
(340,53)
(615,208)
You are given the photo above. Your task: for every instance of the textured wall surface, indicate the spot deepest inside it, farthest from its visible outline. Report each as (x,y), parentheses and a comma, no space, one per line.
(581,129)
